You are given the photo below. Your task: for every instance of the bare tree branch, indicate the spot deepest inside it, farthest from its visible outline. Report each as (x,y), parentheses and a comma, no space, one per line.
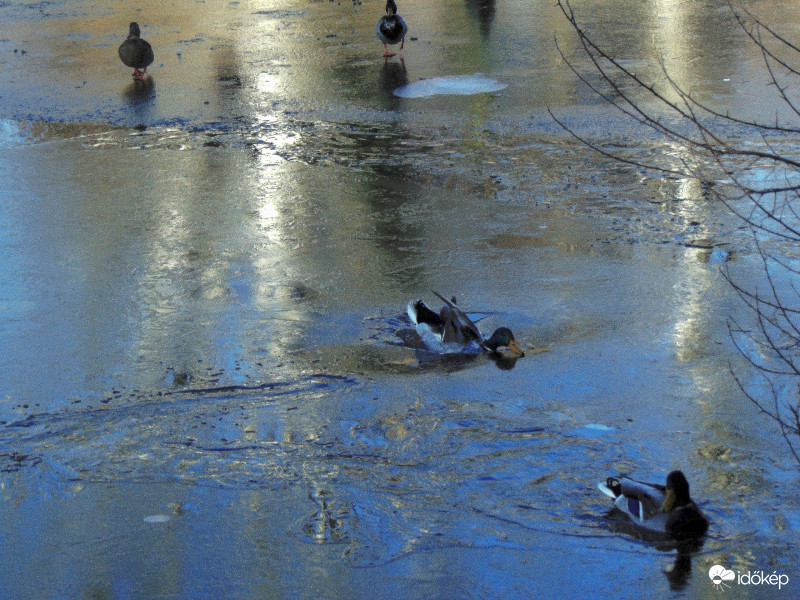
(758,182)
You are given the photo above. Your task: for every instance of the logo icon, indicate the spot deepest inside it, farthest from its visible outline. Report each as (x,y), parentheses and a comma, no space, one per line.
(719,575)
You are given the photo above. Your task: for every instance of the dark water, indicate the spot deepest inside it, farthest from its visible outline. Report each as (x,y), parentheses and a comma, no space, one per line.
(208,388)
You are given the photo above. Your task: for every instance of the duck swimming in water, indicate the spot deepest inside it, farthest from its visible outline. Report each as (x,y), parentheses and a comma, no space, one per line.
(136,52)
(451,330)
(391,28)
(664,508)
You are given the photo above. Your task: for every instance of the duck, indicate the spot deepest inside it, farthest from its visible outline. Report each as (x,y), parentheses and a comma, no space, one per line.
(391,28)
(451,330)
(664,508)
(136,52)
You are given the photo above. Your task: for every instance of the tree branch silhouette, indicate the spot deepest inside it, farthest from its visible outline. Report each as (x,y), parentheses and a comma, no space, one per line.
(758,180)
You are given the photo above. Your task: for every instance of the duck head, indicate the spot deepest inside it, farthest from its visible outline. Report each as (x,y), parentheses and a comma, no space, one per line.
(391,7)
(677,491)
(503,338)
(134,31)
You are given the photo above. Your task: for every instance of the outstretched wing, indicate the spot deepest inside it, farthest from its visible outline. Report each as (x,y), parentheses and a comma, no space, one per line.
(458,326)
(421,315)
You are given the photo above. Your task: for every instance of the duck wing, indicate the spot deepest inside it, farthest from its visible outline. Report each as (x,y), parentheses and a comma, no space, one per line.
(428,324)
(421,315)
(458,327)
(649,496)
(641,501)
(136,53)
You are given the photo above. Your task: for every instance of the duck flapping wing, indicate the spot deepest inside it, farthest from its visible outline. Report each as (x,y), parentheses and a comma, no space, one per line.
(458,327)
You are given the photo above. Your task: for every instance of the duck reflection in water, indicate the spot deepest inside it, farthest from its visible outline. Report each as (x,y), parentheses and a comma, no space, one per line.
(680,573)
(140,91)
(483,12)
(393,75)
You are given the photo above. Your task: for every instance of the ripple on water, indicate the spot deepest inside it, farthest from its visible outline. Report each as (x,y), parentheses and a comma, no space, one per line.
(446,474)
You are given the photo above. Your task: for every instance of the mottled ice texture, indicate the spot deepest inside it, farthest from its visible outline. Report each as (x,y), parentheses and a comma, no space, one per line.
(457,85)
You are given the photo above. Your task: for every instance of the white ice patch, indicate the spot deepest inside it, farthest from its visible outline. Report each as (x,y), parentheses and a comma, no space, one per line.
(156,519)
(10,133)
(593,430)
(598,427)
(719,256)
(460,85)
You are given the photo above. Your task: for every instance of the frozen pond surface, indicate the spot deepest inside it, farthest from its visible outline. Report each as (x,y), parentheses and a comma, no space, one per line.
(208,388)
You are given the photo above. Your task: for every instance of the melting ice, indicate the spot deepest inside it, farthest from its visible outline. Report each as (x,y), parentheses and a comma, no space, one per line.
(462,85)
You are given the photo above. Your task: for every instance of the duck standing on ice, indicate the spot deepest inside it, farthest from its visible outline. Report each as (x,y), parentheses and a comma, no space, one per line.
(136,52)
(391,28)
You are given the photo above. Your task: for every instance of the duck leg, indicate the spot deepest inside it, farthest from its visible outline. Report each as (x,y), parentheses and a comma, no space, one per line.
(386,52)
(402,42)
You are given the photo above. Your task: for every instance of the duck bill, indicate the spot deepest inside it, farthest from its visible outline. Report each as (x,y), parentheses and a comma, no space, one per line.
(669,501)
(512,345)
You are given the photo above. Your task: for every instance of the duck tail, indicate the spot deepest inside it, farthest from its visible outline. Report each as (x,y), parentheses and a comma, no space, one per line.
(611,487)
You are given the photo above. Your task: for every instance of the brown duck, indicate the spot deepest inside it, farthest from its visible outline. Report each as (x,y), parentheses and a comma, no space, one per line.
(136,53)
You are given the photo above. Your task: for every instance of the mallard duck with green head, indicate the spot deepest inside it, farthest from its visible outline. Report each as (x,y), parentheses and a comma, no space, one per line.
(391,28)
(664,508)
(451,330)
(136,52)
